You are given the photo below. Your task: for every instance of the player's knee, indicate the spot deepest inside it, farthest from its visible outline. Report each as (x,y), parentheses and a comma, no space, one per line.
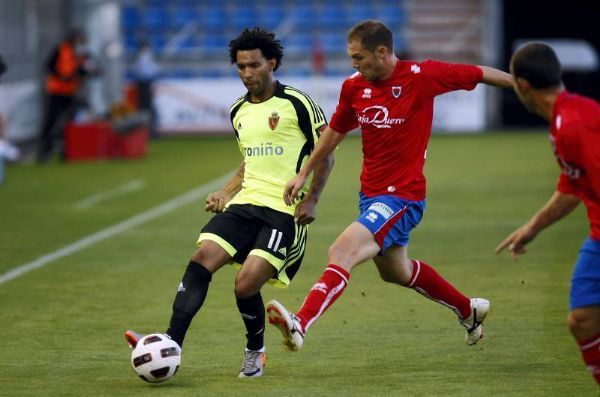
(578,323)
(209,257)
(388,278)
(200,255)
(245,288)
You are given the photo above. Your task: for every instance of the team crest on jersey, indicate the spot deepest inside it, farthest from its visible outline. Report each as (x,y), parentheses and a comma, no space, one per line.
(396,91)
(273,120)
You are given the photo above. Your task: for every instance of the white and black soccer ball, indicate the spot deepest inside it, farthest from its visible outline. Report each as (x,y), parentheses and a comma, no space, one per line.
(156,358)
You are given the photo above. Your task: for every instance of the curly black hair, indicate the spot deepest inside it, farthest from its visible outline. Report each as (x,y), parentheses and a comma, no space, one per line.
(257,38)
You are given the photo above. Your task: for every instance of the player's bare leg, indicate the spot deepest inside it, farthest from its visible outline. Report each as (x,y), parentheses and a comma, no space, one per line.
(354,246)
(584,324)
(395,267)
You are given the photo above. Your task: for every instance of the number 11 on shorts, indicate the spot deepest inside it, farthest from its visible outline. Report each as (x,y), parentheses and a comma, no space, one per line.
(275,238)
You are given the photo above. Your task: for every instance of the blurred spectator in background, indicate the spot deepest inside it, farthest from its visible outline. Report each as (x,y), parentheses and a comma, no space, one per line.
(146,71)
(2,66)
(67,67)
(7,150)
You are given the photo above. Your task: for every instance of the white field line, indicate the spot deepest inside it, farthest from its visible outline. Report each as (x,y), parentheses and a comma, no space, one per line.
(129,187)
(168,206)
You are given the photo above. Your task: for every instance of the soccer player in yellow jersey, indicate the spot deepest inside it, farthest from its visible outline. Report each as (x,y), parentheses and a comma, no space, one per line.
(276,127)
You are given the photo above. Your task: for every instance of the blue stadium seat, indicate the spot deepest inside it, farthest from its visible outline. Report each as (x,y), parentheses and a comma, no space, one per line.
(157,42)
(131,44)
(296,71)
(333,42)
(303,16)
(242,16)
(271,16)
(330,16)
(130,18)
(214,17)
(392,15)
(188,46)
(209,73)
(213,44)
(298,43)
(154,18)
(354,13)
(185,3)
(180,16)
(157,3)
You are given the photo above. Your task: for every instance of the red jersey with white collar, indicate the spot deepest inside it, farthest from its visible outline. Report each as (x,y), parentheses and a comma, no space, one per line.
(575,138)
(395,117)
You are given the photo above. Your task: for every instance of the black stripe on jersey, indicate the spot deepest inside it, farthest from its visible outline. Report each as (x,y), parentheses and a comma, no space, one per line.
(322,114)
(316,116)
(234,109)
(303,122)
(306,150)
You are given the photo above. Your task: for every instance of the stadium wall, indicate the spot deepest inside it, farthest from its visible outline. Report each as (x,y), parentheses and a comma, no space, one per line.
(201,106)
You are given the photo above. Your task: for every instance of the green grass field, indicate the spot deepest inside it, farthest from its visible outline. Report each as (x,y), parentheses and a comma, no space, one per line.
(62,325)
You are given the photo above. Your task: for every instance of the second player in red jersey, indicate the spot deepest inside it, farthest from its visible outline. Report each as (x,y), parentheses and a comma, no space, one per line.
(392,103)
(575,138)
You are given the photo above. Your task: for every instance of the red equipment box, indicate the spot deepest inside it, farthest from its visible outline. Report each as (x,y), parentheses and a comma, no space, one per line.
(98,140)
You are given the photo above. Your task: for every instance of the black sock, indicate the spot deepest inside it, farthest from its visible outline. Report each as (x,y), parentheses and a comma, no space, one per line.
(252,310)
(190,297)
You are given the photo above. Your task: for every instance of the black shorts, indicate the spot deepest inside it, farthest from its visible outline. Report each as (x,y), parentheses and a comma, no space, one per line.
(246,229)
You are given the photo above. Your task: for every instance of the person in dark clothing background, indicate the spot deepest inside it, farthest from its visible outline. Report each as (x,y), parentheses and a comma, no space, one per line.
(146,72)
(66,71)
(2,66)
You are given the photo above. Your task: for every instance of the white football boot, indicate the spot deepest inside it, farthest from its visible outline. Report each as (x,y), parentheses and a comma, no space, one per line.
(474,323)
(287,323)
(253,363)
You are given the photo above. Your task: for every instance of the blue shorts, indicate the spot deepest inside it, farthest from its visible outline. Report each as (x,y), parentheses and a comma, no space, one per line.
(389,218)
(585,284)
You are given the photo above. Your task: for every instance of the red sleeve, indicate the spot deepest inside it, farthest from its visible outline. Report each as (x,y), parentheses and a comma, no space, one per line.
(565,185)
(344,117)
(439,77)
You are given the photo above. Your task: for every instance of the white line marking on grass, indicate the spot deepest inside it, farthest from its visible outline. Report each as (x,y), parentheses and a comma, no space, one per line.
(121,227)
(129,187)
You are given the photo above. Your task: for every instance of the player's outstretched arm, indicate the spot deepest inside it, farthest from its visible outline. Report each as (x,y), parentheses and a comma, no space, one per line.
(215,202)
(559,205)
(496,77)
(306,210)
(325,146)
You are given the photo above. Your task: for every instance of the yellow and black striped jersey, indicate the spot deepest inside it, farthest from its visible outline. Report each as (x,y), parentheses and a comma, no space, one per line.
(275,137)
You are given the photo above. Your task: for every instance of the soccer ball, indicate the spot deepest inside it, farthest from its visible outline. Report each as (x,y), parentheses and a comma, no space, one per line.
(156,358)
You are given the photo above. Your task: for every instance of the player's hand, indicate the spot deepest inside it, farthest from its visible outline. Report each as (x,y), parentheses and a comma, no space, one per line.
(306,211)
(215,202)
(294,185)
(517,241)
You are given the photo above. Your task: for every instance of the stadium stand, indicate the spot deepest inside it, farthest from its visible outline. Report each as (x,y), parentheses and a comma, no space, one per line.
(190,37)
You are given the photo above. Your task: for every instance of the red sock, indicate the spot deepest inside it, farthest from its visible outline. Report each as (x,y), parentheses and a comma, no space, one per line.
(326,290)
(426,281)
(590,350)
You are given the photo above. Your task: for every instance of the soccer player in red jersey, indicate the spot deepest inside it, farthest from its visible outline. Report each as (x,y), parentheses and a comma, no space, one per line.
(391,100)
(575,139)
